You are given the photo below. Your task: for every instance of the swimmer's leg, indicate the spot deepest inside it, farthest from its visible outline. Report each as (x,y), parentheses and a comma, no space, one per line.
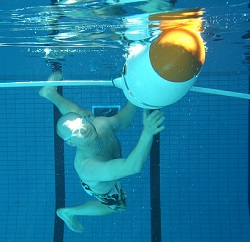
(63,104)
(91,208)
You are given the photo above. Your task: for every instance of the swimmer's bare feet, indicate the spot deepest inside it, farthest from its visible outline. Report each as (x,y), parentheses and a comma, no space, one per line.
(70,220)
(49,91)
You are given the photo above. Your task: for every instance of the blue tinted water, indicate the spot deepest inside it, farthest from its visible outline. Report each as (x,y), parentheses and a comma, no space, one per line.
(204,149)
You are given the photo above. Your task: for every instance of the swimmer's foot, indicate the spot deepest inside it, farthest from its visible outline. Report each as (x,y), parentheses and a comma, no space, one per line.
(70,220)
(49,91)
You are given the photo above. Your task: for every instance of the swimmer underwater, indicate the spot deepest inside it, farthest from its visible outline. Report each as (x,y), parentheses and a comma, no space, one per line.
(98,160)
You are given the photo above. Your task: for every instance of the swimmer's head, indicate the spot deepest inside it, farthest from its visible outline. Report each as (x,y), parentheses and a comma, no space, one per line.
(75,130)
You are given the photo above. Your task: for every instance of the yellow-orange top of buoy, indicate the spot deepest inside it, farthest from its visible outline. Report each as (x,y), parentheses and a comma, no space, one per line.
(178,54)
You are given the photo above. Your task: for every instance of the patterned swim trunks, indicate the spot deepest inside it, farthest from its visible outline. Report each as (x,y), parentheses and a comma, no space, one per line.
(115,199)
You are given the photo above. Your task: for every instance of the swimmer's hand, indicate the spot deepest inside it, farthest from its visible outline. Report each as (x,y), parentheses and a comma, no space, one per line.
(153,122)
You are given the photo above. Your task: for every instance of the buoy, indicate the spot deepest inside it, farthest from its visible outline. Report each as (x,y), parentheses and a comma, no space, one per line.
(160,73)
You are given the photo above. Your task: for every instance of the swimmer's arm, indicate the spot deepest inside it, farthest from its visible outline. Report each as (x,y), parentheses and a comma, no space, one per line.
(95,170)
(123,119)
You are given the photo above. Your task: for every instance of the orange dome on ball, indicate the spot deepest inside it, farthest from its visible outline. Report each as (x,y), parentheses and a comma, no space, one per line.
(178,54)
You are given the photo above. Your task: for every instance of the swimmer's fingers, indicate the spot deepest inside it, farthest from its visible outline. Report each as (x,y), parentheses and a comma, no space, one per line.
(160,128)
(159,122)
(150,116)
(156,117)
(153,121)
(145,113)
